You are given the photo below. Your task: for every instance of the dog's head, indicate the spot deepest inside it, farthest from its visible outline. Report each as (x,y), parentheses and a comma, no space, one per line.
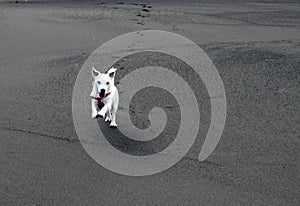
(103,82)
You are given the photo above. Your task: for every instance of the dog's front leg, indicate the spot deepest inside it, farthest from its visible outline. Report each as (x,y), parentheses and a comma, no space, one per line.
(94,108)
(114,112)
(113,119)
(105,109)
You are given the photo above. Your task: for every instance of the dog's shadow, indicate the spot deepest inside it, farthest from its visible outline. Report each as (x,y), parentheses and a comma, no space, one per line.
(134,147)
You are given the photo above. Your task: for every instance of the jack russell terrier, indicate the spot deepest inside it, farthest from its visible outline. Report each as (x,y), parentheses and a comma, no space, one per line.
(105,96)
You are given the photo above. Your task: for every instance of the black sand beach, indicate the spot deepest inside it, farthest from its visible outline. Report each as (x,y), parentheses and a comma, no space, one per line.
(255,46)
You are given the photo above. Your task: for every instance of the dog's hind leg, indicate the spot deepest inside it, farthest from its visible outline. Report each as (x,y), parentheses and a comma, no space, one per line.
(108,116)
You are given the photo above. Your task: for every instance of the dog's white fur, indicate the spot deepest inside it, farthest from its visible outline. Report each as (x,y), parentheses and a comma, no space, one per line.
(105,82)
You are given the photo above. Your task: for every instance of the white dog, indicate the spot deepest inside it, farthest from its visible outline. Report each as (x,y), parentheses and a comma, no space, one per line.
(105,96)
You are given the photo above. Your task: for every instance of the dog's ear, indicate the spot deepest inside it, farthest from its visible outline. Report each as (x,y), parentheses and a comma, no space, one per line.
(95,72)
(111,72)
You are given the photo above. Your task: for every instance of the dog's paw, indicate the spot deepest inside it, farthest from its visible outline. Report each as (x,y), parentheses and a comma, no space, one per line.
(94,115)
(113,125)
(101,114)
(108,117)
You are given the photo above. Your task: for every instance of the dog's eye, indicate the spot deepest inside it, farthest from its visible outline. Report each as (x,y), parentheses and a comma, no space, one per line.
(107,83)
(99,82)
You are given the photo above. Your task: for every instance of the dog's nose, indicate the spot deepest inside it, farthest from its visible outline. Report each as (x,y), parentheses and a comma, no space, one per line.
(102,91)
